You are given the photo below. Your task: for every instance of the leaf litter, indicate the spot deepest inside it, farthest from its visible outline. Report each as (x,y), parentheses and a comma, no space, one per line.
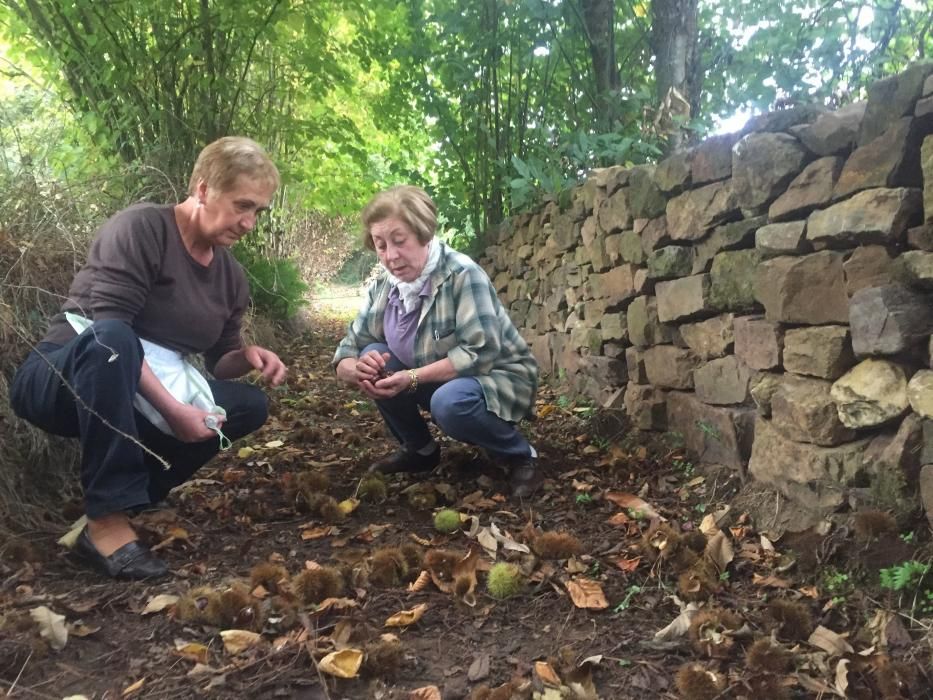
(671,588)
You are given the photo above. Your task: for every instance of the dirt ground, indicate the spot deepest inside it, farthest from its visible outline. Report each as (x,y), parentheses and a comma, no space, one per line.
(631,577)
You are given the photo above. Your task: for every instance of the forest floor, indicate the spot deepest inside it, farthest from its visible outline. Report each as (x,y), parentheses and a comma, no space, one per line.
(638,576)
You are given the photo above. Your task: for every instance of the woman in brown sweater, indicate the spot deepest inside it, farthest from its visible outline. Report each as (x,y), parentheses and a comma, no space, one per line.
(162,274)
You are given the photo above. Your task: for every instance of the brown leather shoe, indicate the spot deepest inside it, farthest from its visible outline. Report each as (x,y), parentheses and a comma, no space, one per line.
(525,478)
(405,460)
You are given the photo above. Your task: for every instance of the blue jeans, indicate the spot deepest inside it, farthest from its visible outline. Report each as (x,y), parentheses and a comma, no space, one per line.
(117,474)
(459,409)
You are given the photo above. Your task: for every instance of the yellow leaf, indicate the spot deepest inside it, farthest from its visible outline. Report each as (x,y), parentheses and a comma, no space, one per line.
(546,673)
(195,651)
(134,687)
(51,626)
(546,410)
(274,443)
(238,641)
(348,506)
(407,617)
(159,603)
(245,452)
(640,10)
(586,593)
(428,692)
(343,664)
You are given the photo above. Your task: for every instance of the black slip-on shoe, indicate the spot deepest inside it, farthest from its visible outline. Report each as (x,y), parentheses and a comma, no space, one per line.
(405,460)
(525,478)
(133,560)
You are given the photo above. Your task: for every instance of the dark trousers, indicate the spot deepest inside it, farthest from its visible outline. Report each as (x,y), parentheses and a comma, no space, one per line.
(103,366)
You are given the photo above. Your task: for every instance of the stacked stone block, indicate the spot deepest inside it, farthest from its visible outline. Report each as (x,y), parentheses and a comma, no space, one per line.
(768,294)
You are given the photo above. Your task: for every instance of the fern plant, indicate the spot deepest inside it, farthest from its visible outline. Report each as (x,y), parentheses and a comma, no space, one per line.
(907,575)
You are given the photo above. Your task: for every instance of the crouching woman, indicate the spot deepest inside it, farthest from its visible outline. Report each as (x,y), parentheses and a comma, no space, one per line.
(434,335)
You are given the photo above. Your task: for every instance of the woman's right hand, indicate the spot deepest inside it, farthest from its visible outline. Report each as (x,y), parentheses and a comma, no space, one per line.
(365,368)
(187,423)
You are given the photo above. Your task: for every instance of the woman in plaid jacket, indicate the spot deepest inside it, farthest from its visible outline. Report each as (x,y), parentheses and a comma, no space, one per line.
(433,334)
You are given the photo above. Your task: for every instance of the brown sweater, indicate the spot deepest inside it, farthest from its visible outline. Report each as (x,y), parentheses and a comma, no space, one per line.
(139,271)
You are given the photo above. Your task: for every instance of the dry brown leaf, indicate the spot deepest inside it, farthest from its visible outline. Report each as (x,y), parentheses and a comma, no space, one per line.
(630,501)
(842,676)
(546,674)
(428,692)
(628,565)
(159,603)
(407,617)
(770,581)
(238,641)
(679,626)
(586,593)
(335,603)
(420,583)
(130,689)
(195,651)
(342,664)
(81,630)
(719,549)
(619,519)
(317,532)
(830,642)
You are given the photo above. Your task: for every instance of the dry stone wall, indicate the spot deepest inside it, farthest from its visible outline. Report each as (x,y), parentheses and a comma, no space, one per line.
(768,294)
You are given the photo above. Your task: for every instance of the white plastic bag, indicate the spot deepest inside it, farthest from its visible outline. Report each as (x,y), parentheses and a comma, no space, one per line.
(176,374)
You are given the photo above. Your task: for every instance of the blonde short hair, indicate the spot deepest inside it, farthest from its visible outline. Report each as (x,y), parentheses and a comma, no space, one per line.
(220,164)
(410,204)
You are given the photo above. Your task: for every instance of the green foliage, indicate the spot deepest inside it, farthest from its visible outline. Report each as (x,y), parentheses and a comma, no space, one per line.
(276,285)
(905,576)
(630,594)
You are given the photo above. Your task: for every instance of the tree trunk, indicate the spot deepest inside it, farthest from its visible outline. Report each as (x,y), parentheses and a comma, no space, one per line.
(674,39)
(599,21)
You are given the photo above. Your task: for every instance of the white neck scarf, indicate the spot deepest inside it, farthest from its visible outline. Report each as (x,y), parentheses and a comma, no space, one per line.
(409,292)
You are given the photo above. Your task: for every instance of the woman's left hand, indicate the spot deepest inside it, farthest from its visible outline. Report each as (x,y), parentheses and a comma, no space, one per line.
(387,387)
(267,362)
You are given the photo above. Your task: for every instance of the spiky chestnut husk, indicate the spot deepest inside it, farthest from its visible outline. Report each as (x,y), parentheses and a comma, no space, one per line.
(504,580)
(234,607)
(869,524)
(441,563)
(446,521)
(193,606)
(422,499)
(382,658)
(372,489)
(794,619)
(695,682)
(308,436)
(709,632)
(282,612)
(329,510)
(312,482)
(765,656)
(19,551)
(557,545)
(414,557)
(894,679)
(314,585)
(273,577)
(698,582)
(388,567)
(695,541)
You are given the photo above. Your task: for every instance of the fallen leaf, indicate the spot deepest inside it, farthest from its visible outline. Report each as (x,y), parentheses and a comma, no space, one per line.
(81,630)
(619,519)
(830,642)
(770,581)
(238,641)
(679,626)
(630,501)
(547,675)
(159,603)
(194,651)
(274,443)
(130,689)
(586,593)
(479,669)
(628,565)
(428,692)
(245,452)
(407,617)
(420,583)
(342,664)
(842,676)
(719,550)
(316,533)
(51,626)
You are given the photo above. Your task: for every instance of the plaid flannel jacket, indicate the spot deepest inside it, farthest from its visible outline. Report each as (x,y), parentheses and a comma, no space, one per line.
(464,321)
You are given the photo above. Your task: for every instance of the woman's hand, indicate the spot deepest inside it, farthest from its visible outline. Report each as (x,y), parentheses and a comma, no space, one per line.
(187,423)
(267,362)
(369,367)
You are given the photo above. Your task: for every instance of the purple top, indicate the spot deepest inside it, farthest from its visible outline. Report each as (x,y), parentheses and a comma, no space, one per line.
(400,326)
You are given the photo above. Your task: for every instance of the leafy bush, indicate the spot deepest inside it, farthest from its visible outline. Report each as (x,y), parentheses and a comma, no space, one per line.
(276,284)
